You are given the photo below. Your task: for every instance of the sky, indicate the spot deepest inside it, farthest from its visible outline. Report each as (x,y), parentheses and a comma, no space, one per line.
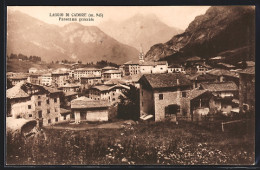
(174,16)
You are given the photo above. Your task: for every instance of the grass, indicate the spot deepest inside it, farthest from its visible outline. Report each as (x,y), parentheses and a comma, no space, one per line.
(143,143)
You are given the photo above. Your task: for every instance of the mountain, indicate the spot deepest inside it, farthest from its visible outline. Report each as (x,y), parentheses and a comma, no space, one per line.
(223,30)
(30,36)
(139,29)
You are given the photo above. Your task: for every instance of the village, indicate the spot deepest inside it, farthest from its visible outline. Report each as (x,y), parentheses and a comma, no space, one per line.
(188,91)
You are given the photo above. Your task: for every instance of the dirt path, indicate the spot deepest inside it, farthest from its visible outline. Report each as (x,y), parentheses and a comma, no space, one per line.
(114,125)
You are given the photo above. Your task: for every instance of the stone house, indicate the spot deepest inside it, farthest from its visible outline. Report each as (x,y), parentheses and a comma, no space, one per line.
(33,70)
(223,94)
(176,68)
(199,78)
(91,80)
(161,94)
(34,78)
(86,72)
(46,79)
(86,109)
(224,75)
(17,79)
(247,89)
(30,101)
(109,93)
(111,74)
(131,68)
(150,67)
(59,78)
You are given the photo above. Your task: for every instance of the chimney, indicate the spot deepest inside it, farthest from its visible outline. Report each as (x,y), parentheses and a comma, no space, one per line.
(178,83)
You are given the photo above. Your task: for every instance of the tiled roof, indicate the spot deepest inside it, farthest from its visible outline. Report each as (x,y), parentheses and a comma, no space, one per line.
(153,63)
(199,76)
(195,93)
(119,86)
(101,87)
(250,70)
(131,63)
(219,86)
(166,80)
(71,85)
(175,66)
(222,72)
(109,68)
(51,89)
(18,77)
(114,81)
(113,72)
(16,92)
(70,93)
(84,103)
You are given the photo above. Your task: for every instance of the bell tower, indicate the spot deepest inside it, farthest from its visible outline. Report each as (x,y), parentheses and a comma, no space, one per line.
(141,55)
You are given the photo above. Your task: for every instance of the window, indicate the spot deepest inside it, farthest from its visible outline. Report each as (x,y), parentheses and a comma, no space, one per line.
(49,121)
(184,94)
(48,111)
(39,103)
(56,119)
(142,103)
(40,114)
(30,115)
(161,68)
(55,100)
(39,97)
(160,96)
(64,117)
(29,106)
(55,109)
(113,99)
(48,101)
(142,93)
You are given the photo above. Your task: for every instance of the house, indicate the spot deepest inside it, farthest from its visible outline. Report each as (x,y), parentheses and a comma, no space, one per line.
(46,79)
(34,78)
(131,68)
(86,109)
(150,67)
(247,89)
(175,68)
(224,75)
(109,93)
(59,78)
(202,67)
(132,80)
(87,81)
(33,70)
(70,87)
(223,94)
(17,79)
(85,72)
(30,101)
(199,78)
(111,74)
(161,94)
(108,68)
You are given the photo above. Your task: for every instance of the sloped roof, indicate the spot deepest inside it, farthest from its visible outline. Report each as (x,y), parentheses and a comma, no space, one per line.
(222,72)
(85,103)
(119,86)
(113,72)
(250,70)
(175,66)
(153,63)
(16,92)
(51,89)
(114,81)
(226,65)
(90,76)
(109,68)
(70,93)
(64,111)
(101,87)
(220,86)
(71,85)
(131,63)
(199,76)
(195,93)
(166,80)
(87,69)
(18,77)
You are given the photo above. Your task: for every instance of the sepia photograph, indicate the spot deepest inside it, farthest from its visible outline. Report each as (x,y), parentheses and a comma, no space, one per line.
(130,85)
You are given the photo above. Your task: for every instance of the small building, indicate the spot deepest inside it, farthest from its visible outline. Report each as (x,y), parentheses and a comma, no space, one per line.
(133,80)
(70,87)
(46,79)
(247,89)
(224,75)
(161,94)
(17,79)
(151,67)
(30,101)
(199,78)
(223,94)
(176,68)
(108,68)
(33,70)
(86,109)
(91,80)
(59,78)
(85,72)
(111,74)
(34,78)
(109,93)
(131,68)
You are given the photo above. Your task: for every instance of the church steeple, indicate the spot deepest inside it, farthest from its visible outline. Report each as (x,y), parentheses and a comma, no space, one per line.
(141,54)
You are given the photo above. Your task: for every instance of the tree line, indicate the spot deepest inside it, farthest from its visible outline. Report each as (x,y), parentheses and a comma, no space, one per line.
(24,57)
